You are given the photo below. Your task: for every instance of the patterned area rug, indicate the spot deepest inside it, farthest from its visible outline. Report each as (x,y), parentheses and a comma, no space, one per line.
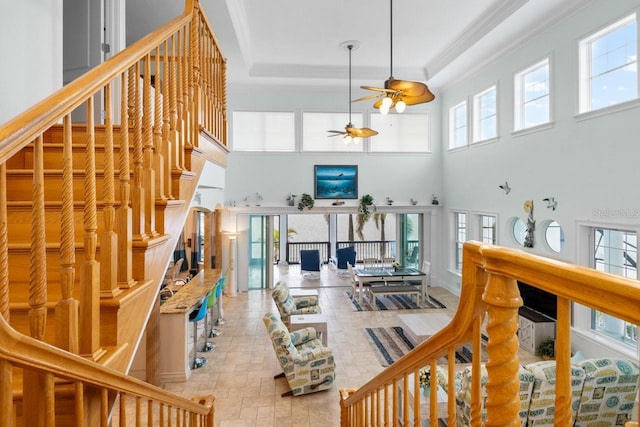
(390,344)
(393,302)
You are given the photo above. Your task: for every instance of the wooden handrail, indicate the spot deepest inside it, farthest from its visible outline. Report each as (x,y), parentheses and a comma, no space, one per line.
(489,288)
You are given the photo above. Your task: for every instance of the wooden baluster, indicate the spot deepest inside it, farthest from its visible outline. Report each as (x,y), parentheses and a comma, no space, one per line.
(4,246)
(49,399)
(6,392)
(109,239)
(34,404)
(562,414)
(149,179)
(167,132)
(181,103)
(138,411)
(123,410)
(194,79)
(66,312)
(186,94)
(176,114)
(503,299)
(158,163)
(137,197)
(90,289)
(125,230)
(222,135)
(150,413)
(104,408)
(79,403)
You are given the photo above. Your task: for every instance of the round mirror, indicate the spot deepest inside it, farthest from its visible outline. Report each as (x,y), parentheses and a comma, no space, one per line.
(554,236)
(519,230)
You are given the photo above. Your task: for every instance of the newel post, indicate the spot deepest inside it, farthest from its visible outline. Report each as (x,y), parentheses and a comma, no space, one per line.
(503,300)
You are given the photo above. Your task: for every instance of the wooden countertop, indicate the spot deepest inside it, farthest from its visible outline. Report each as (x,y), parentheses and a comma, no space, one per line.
(192,293)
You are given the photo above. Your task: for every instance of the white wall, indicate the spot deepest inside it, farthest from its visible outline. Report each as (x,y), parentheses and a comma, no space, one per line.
(31,41)
(587,165)
(399,176)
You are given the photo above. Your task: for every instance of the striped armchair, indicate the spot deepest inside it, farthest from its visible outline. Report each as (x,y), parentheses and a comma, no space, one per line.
(289,306)
(308,365)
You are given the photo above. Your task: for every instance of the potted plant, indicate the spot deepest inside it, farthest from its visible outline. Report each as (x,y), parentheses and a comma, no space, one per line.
(365,207)
(306,202)
(546,349)
(425,380)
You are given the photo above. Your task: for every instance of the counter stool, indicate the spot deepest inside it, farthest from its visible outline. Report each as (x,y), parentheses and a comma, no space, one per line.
(214,300)
(194,317)
(223,286)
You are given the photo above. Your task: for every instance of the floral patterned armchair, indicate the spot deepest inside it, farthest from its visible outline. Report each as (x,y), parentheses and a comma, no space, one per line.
(308,365)
(288,305)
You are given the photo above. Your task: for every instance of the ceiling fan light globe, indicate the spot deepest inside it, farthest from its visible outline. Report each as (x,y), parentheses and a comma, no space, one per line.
(401,106)
(356,141)
(347,139)
(384,110)
(386,102)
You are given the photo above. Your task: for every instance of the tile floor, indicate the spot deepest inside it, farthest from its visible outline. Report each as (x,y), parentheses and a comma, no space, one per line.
(240,371)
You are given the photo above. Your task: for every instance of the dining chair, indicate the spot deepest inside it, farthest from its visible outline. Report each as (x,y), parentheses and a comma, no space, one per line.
(414,257)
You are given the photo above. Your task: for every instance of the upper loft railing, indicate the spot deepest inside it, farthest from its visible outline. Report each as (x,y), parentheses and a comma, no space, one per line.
(489,288)
(136,120)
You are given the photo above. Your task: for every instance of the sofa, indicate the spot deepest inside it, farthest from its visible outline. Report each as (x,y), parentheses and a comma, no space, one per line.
(289,306)
(603,392)
(307,365)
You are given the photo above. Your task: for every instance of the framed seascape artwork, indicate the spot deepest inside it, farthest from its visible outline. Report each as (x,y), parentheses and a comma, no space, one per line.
(336,182)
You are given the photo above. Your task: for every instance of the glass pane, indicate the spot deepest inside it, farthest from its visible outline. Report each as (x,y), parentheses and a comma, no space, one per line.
(519,231)
(263,131)
(400,133)
(555,236)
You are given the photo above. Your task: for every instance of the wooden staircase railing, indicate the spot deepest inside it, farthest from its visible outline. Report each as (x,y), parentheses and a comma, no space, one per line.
(489,288)
(89,216)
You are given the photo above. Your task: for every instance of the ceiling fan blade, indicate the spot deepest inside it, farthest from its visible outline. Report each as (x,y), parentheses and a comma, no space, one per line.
(363,132)
(377,89)
(337,132)
(364,98)
(410,89)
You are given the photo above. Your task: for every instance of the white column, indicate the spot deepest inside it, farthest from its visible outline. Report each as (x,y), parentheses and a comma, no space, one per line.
(231,282)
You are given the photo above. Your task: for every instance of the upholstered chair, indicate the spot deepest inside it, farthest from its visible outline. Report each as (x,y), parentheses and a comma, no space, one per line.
(345,256)
(307,365)
(310,264)
(289,306)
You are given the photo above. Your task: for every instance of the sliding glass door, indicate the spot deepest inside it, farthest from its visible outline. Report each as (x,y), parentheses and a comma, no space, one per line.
(260,255)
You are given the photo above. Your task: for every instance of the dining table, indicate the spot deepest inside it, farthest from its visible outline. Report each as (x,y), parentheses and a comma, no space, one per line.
(389,275)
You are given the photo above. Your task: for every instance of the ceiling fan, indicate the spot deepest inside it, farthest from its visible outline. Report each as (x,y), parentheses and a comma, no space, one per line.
(350,132)
(397,93)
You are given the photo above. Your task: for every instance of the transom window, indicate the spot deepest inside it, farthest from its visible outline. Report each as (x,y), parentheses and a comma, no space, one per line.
(407,132)
(532,96)
(608,66)
(485,115)
(616,252)
(458,125)
(263,131)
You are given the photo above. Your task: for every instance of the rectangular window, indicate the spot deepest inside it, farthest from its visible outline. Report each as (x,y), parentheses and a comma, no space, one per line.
(458,126)
(488,227)
(460,219)
(615,252)
(316,138)
(532,96)
(485,115)
(263,131)
(608,66)
(405,133)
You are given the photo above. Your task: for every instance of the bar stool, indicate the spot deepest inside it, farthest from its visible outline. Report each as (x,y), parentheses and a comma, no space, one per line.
(194,317)
(214,300)
(223,286)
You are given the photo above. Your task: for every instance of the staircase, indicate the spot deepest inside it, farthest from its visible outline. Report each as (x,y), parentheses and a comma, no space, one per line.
(91,208)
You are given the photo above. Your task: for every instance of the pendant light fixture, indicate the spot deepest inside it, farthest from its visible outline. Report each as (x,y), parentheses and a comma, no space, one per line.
(351,133)
(397,93)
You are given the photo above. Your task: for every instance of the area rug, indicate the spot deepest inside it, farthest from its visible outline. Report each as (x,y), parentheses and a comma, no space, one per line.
(390,344)
(393,302)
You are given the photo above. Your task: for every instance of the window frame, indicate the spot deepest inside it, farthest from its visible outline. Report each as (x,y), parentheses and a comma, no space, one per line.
(457,244)
(232,131)
(453,126)
(519,102)
(585,62)
(477,119)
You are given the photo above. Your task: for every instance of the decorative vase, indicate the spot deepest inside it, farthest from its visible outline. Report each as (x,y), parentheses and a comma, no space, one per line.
(426,391)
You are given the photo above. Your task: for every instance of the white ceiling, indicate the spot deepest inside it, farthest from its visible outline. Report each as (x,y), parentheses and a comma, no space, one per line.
(434,41)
